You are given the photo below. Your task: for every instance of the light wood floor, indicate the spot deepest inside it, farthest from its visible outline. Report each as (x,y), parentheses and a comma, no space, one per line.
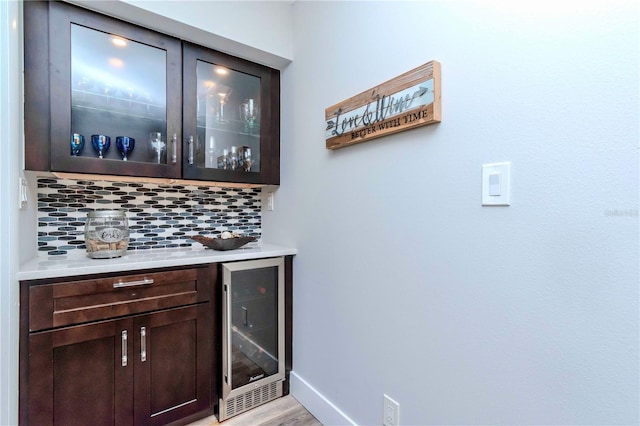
(285,411)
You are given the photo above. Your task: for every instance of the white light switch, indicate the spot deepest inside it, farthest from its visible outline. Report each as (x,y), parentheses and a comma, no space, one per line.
(496,182)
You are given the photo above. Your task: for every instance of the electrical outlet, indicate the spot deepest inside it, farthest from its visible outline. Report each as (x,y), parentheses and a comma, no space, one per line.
(391,415)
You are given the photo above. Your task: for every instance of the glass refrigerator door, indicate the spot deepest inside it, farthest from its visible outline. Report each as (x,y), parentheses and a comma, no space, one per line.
(254,323)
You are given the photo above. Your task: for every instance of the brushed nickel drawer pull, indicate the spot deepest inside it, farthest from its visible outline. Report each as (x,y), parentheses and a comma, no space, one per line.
(143,344)
(121,284)
(124,348)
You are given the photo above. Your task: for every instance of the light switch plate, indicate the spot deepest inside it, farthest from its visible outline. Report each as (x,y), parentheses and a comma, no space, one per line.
(496,184)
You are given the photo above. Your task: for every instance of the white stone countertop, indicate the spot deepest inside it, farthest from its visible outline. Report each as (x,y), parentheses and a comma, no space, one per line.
(79,264)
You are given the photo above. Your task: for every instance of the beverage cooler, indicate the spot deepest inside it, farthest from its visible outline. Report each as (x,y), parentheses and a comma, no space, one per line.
(253,367)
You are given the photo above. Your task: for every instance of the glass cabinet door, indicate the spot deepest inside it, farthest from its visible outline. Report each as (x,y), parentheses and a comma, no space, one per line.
(228,118)
(115,98)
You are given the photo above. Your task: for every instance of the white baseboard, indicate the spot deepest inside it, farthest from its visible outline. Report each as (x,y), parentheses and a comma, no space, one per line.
(321,408)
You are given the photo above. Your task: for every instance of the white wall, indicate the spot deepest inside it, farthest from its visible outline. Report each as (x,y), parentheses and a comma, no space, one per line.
(260,31)
(404,284)
(10,162)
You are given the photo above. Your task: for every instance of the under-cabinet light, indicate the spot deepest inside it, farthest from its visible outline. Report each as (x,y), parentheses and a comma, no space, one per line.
(118,41)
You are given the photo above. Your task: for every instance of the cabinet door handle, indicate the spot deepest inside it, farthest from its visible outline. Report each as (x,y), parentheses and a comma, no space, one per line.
(124,348)
(190,150)
(174,148)
(245,316)
(121,284)
(143,344)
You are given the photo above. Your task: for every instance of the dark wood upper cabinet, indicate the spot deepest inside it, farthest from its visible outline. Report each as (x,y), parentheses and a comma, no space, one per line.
(105,77)
(103,96)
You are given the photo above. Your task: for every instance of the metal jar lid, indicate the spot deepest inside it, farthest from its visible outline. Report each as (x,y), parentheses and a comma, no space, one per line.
(107,213)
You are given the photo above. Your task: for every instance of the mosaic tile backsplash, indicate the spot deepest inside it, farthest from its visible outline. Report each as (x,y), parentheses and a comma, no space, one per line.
(160,216)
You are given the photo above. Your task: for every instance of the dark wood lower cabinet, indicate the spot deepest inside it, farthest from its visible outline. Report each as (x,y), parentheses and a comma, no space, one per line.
(173,378)
(138,348)
(76,376)
(152,368)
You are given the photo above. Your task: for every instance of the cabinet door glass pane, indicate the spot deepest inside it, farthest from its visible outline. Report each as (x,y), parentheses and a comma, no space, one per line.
(254,325)
(228,121)
(118,94)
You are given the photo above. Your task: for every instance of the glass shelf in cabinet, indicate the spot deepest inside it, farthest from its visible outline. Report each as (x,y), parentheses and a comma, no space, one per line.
(236,127)
(117,105)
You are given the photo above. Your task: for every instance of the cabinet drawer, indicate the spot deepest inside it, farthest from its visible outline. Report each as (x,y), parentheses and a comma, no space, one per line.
(75,302)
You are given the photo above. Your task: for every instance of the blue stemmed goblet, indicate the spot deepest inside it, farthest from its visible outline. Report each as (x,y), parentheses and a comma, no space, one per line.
(77,143)
(101,144)
(125,145)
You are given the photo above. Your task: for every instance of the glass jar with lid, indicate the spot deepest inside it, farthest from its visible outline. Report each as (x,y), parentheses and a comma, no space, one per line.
(106,234)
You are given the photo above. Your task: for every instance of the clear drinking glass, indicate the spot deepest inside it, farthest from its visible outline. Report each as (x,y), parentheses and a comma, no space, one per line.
(223,160)
(233,158)
(247,160)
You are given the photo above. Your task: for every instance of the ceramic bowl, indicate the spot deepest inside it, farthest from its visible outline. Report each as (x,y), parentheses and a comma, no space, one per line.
(221,243)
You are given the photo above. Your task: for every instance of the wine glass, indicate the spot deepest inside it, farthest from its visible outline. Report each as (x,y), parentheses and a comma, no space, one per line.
(107,90)
(125,145)
(101,144)
(77,144)
(249,114)
(223,97)
(83,84)
(157,145)
(147,99)
(130,93)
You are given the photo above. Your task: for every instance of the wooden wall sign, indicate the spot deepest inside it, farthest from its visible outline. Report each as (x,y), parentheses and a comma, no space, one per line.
(407,101)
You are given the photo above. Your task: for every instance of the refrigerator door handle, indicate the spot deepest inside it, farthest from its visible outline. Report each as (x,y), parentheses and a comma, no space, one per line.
(227,377)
